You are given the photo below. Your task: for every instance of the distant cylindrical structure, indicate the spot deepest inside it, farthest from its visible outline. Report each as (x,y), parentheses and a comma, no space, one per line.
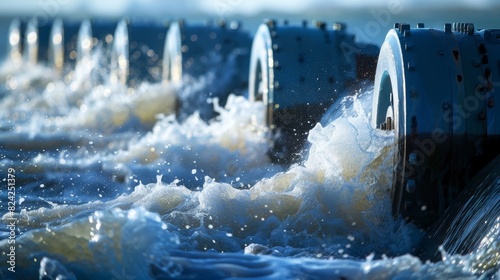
(193,50)
(36,41)
(15,45)
(436,90)
(298,72)
(63,45)
(137,53)
(95,34)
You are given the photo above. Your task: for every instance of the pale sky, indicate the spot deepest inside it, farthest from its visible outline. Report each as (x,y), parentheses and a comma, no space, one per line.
(219,7)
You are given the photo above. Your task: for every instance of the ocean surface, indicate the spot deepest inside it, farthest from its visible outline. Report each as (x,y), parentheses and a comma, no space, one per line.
(103,182)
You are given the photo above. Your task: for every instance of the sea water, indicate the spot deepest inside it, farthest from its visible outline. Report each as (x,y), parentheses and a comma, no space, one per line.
(107,183)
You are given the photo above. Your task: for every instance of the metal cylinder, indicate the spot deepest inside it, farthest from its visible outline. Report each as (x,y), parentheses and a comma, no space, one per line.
(137,52)
(435,89)
(63,45)
(193,50)
(36,41)
(15,45)
(93,50)
(94,33)
(298,72)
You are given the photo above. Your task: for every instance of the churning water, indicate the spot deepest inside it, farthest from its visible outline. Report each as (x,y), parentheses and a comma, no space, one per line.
(110,185)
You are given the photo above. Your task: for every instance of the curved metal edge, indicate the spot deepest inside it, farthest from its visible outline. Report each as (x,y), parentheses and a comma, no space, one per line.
(390,72)
(84,44)
(16,34)
(172,55)
(120,54)
(261,73)
(56,46)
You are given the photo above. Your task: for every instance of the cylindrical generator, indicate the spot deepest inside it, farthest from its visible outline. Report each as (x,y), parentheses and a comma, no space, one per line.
(298,72)
(196,50)
(63,45)
(436,90)
(137,53)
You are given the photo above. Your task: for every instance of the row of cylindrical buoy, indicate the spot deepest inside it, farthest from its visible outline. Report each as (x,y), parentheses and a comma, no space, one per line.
(434,88)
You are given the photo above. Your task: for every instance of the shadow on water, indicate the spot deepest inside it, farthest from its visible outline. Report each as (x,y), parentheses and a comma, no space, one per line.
(471,220)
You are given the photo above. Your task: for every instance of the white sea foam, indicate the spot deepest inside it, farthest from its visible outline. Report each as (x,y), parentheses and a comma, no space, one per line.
(116,186)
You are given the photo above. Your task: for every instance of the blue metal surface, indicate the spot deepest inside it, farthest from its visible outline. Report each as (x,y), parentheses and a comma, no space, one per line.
(138,51)
(95,34)
(299,71)
(434,88)
(195,50)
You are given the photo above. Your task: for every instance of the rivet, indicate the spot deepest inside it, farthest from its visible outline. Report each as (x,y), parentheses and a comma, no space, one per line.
(275,47)
(301,58)
(411,185)
(411,66)
(412,159)
(234,25)
(484,59)
(221,23)
(277,64)
(276,84)
(441,52)
(481,49)
(482,116)
(487,73)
